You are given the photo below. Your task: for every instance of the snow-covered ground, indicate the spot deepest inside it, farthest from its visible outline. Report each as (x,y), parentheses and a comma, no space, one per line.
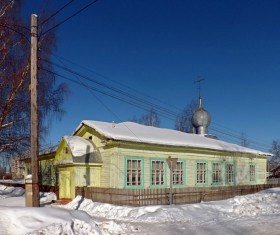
(252,214)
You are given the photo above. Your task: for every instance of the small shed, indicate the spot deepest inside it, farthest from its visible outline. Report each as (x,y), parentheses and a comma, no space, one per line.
(78,161)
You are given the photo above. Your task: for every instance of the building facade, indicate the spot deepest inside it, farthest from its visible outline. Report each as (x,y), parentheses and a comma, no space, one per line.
(132,156)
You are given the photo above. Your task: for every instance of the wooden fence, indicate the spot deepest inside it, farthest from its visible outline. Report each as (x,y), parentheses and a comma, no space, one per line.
(273,181)
(161,196)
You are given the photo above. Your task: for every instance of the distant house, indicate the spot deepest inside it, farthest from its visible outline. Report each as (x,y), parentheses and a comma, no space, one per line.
(17,168)
(47,169)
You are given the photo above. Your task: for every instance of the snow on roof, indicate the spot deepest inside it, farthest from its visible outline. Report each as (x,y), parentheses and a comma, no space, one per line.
(134,132)
(78,145)
(48,150)
(82,150)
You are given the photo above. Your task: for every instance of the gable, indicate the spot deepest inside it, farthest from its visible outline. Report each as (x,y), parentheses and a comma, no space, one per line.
(76,149)
(90,133)
(63,153)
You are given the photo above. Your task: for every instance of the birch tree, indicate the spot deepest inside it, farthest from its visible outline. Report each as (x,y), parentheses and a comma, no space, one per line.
(184,119)
(15,80)
(274,161)
(149,119)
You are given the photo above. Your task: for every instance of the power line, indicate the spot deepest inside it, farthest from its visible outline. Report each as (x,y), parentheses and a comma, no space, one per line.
(110,110)
(115,89)
(68,18)
(166,111)
(114,81)
(171,116)
(255,140)
(238,137)
(14,30)
(231,130)
(19,26)
(141,106)
(234,139)
(55,13)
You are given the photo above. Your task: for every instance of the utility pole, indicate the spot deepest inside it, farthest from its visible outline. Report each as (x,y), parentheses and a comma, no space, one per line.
(35,202)
(172,165)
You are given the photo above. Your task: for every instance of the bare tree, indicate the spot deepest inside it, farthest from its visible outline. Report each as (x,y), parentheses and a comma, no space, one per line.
(149,119)
(244,140)
(184,119)
(274,161)
(15,79)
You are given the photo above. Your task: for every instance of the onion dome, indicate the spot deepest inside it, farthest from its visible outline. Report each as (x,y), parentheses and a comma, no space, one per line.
(201,119)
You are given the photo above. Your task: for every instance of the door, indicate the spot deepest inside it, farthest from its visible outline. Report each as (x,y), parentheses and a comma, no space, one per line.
(64,184)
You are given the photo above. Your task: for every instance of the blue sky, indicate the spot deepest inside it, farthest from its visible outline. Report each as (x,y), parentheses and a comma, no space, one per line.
(160,48)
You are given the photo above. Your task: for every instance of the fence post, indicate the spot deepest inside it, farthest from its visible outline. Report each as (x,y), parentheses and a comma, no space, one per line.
(83,191)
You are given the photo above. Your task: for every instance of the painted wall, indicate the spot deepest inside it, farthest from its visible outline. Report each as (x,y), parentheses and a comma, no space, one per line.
(87,176)
(114,168)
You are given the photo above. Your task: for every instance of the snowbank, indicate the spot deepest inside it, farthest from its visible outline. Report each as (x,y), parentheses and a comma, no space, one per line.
(10,191)
(266,203)
(251,214)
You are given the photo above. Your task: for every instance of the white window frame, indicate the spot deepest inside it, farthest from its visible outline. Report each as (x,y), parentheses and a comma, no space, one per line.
(252,172)
(157,172)
(134,172)
(230,173)
(178,173)
(201,172)
(217,172)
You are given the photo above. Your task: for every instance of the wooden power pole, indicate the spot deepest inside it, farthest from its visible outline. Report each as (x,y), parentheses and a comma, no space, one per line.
(34,112)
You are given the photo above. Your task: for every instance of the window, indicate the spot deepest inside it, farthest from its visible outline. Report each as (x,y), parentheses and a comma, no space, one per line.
(158,172)
(229,173)
(217,173)
(252,172)
(201,172)
(134,172)
(178,174)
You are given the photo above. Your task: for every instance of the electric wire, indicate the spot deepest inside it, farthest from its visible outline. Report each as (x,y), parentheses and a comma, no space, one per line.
(229,138)
(57,12)
(70,17)
(104,105)
(174,115)
(256,141)
(18,25)
(110,87)
(141,106)
(114,81)
(237,137)
(231,130)
(14,30)
(115,89)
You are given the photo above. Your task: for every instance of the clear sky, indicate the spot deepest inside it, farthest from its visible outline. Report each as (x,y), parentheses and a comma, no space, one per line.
(159,48)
